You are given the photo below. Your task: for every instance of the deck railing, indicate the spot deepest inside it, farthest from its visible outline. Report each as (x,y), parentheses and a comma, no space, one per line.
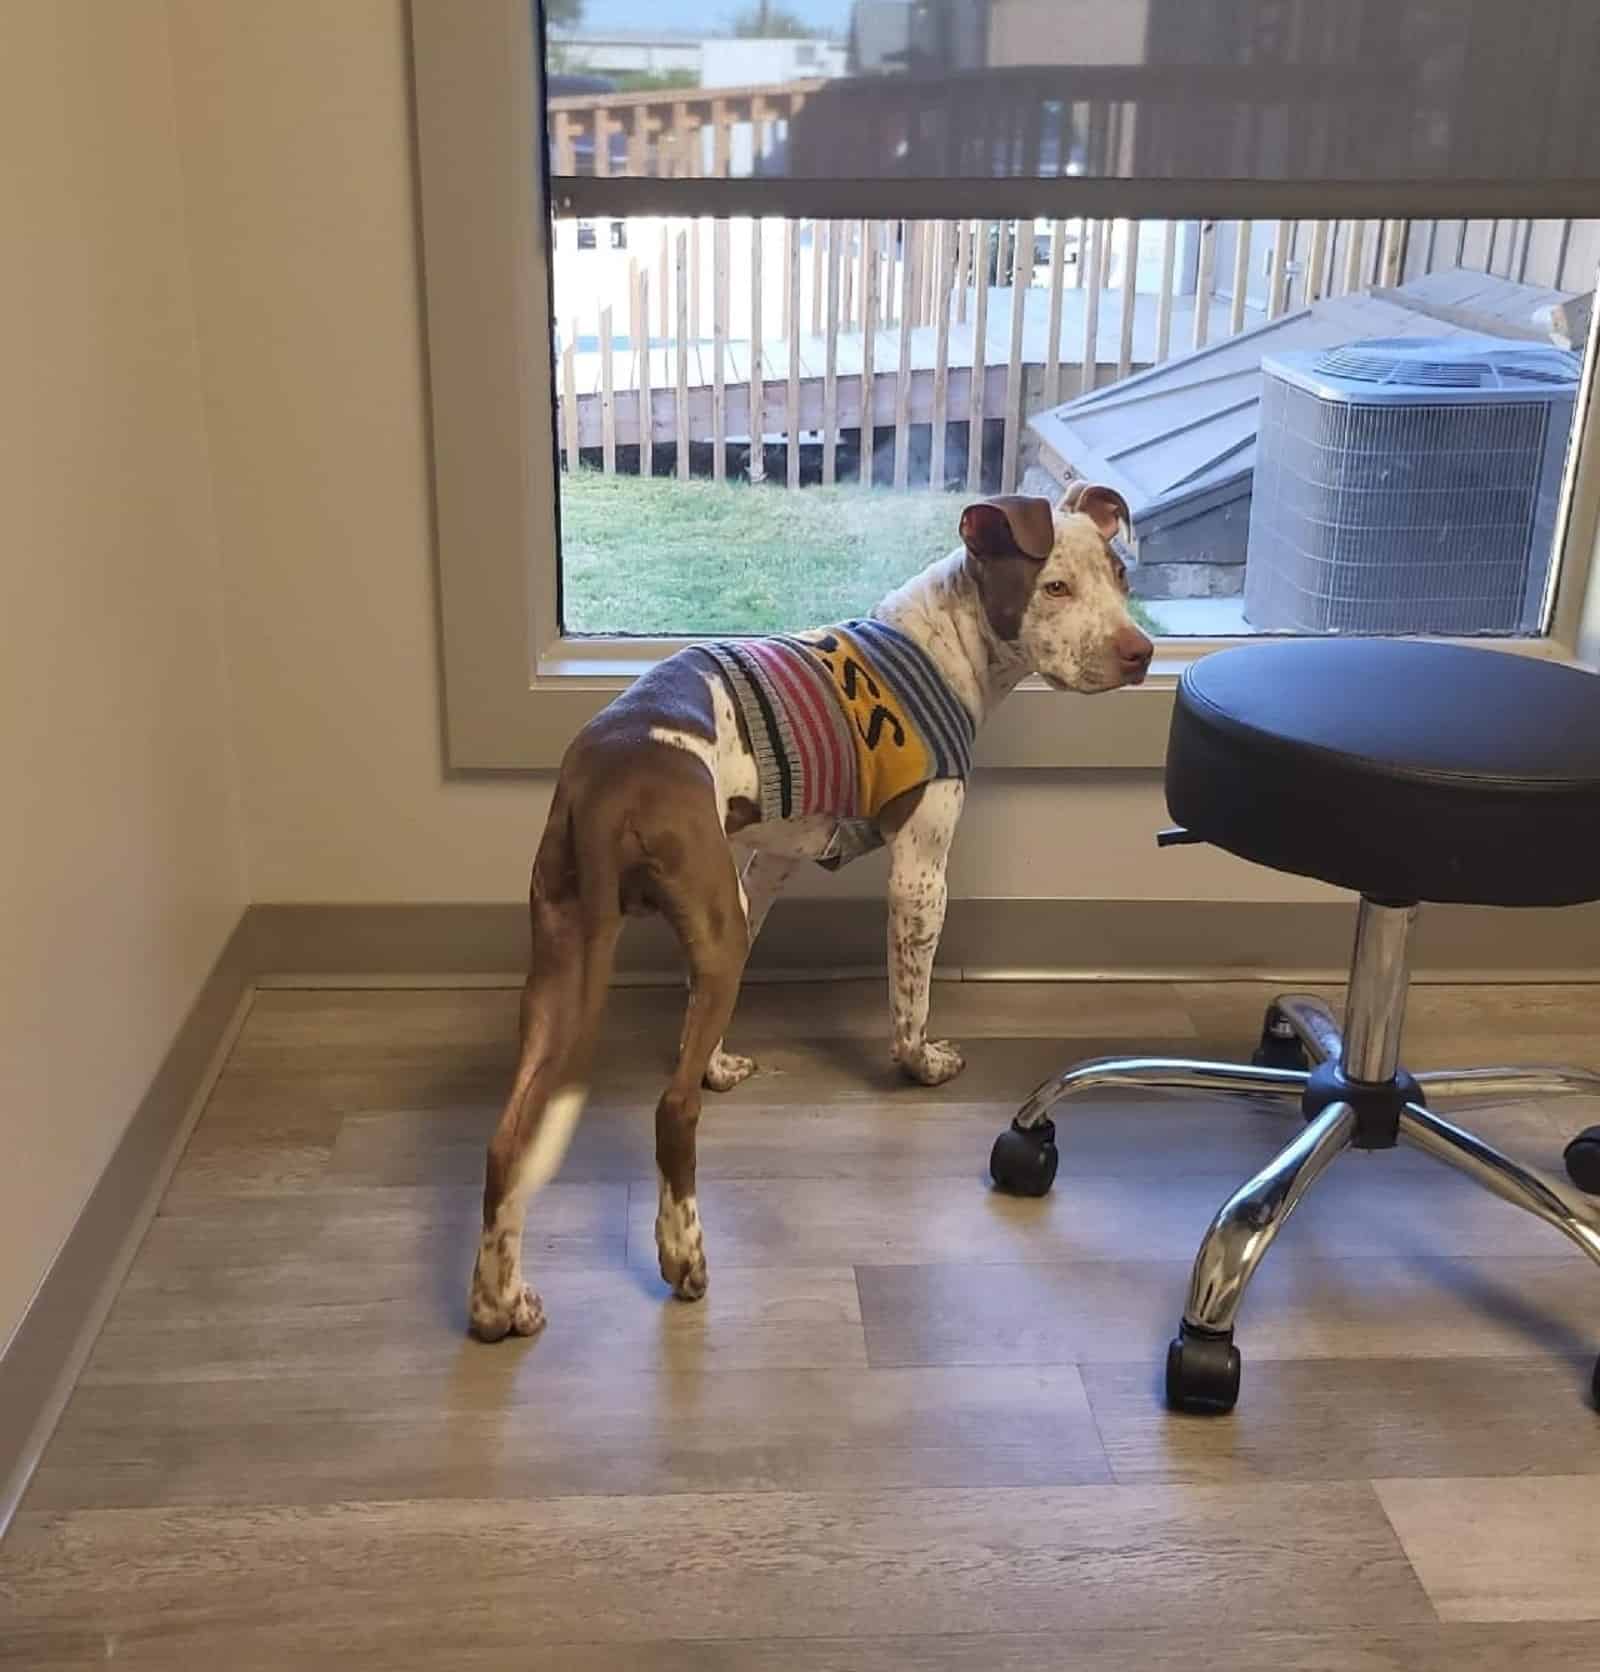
(687,131)
(922,347)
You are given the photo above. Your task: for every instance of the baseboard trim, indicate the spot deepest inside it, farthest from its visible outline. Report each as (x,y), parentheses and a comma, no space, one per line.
(984,940)
(41,1363)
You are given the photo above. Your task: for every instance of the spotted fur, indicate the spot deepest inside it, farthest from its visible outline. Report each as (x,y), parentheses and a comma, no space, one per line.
(500,1303)
(680,1242)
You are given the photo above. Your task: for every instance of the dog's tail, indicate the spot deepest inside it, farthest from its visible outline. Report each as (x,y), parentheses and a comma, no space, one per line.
(551,1140)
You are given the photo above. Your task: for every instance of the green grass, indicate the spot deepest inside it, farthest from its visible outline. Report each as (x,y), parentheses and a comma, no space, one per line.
(660,557)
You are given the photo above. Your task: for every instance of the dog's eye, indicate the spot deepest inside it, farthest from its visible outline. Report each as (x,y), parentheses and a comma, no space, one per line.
(1057,589)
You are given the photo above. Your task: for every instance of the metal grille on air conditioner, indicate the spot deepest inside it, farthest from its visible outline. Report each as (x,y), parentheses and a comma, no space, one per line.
(1408,486)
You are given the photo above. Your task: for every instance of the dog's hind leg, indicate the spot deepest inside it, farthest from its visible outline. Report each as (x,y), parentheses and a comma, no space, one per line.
(573,948)
(711,928)
(535,1127)
(763,880)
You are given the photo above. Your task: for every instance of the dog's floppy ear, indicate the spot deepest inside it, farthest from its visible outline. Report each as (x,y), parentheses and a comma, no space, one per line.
(1103,506)
(1007,540)
(1009,525)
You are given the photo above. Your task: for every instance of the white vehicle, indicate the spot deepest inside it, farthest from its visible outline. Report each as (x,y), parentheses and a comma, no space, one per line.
(1043,233)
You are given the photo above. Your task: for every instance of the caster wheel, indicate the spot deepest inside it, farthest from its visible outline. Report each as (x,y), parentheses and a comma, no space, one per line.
(1583,1161)
(1280,1046)
(1202,1373)
(1024,1159)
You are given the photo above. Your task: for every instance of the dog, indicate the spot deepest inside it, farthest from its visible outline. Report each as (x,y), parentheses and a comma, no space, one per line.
(814,747)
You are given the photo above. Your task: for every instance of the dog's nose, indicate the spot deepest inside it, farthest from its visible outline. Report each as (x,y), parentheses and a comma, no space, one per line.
(1134,652)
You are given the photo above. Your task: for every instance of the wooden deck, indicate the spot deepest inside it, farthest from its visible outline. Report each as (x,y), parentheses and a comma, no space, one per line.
(659,330)
(850,351)
(924,343)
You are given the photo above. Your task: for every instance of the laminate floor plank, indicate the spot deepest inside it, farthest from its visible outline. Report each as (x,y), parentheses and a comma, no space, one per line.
(1366,1206)
(1422,1648)
(776,1564)
(1356,1419)
(1523,1549)
(505,1425)
(1121,1312)
(600,1318)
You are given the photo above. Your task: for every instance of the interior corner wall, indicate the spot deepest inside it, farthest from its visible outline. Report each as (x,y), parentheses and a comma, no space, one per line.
(120,848)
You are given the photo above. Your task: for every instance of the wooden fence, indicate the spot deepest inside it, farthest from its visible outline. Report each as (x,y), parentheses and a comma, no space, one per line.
(856,329)
(741,336)
(682,132)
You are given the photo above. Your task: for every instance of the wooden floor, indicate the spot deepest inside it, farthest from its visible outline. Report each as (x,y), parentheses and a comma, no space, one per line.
(914,1425)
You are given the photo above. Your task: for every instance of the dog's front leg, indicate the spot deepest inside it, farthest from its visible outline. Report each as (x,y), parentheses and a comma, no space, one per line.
(918,853)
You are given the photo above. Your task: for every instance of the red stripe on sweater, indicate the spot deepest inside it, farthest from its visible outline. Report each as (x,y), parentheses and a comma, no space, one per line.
(774,663)
(843,790)
(798,683)
(817,706)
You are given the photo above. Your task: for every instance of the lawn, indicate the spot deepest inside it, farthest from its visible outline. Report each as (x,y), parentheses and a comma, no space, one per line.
(658,556)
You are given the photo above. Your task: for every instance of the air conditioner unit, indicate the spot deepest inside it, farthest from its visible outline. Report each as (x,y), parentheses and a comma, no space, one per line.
(1408,485)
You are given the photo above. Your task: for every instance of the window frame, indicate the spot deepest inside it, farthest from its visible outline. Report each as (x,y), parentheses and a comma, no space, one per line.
(515,690)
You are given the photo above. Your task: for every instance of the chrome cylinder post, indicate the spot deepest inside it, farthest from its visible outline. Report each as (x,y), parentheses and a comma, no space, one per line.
(1375,1010)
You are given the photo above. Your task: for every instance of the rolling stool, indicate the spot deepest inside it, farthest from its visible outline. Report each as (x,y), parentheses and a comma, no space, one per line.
(1405,771)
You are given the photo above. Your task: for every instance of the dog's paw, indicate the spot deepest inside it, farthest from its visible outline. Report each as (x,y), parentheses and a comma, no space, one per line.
(932,1062)
(689,1281)
(683,1268)
(725,1071)
(680,1246)
(500,1303)
(494,1319)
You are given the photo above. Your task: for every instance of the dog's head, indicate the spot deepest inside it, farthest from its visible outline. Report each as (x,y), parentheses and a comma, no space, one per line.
(1054,590)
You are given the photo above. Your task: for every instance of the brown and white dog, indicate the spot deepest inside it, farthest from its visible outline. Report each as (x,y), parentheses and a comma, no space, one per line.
(659,792)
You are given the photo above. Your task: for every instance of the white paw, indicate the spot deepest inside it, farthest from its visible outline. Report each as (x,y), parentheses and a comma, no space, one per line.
(691,1281)
(725,1070)
(500,1303)
(932,1062)
(493,1319)
(680,1246)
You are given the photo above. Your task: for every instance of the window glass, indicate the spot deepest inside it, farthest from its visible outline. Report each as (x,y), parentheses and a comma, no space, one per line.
(1321,424)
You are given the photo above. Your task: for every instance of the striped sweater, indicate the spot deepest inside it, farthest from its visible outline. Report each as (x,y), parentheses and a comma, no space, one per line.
(842,721)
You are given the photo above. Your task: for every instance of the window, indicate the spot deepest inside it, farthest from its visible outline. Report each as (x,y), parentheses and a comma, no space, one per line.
(1289,280)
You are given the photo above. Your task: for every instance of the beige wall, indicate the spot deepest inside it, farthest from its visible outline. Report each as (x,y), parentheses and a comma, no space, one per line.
(297,126)
(120,853)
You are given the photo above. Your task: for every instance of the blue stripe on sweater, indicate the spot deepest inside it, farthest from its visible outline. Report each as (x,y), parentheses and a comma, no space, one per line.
(916,664)
(938,714)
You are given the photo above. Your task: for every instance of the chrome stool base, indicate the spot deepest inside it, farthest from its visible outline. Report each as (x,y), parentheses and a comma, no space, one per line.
(1348,1086)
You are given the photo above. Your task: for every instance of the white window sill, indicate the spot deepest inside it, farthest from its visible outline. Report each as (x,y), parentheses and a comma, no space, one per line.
(1036,729)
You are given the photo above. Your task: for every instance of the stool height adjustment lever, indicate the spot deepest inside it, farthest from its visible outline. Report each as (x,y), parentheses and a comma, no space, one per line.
(1178,837)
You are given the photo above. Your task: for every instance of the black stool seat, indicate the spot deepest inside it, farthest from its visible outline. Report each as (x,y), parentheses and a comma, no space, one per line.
(1405,771)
